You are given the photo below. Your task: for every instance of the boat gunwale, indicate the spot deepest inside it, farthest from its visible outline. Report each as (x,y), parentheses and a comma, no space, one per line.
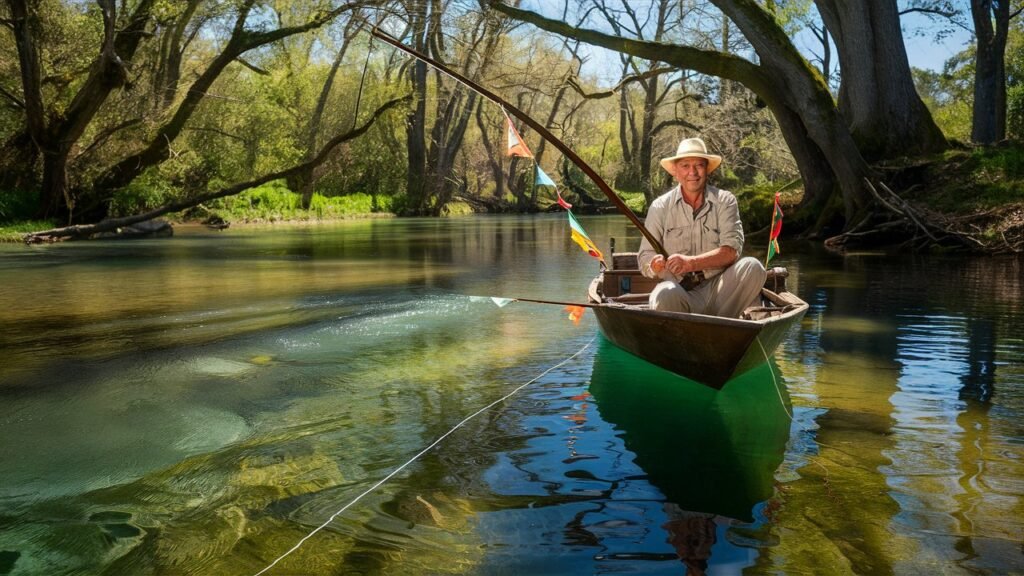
(693,316)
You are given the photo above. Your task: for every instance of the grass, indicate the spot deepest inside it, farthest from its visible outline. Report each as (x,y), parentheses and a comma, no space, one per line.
(13,232)
(274,203)
(961,182)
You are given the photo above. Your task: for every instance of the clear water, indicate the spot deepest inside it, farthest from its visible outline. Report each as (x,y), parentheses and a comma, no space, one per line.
(198,405)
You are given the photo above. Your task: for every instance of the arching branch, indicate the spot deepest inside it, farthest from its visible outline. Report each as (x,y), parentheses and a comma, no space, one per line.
(86,230)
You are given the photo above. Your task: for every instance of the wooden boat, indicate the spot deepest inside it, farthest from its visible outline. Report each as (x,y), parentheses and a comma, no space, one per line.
(710,350)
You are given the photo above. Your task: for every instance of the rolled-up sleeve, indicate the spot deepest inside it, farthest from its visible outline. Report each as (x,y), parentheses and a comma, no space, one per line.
(731,233)
(655,224)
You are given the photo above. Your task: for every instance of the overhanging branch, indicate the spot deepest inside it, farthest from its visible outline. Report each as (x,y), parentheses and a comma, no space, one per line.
(86,230)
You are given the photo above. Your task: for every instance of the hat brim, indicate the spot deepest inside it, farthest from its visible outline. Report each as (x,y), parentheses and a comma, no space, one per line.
(714,161)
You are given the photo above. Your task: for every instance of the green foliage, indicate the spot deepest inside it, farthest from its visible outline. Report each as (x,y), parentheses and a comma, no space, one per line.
(457,209)
(274,202)
(17,204)
(1015,112)
(755,202)
(148,191)
(979,180)
(949,95)
(635,201)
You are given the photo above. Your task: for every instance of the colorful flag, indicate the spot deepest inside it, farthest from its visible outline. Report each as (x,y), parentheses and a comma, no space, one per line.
(580,237)
(575,313)
(773,237)
(516,146)
(544,180)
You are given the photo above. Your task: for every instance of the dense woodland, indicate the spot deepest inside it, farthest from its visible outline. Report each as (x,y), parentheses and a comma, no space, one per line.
(122,110)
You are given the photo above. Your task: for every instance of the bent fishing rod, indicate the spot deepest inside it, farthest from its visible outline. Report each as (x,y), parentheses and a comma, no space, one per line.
(544,132)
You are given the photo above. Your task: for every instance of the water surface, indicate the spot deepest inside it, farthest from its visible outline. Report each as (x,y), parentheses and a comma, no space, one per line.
(198,405)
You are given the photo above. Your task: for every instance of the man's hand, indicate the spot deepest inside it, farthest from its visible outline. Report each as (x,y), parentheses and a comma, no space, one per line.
(657,264)
(679,264)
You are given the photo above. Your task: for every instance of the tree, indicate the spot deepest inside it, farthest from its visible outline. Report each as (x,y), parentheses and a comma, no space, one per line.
(638,144)
(876,94)
(434,147)
(54,132)
(815,129)
(55,127)
(991,27)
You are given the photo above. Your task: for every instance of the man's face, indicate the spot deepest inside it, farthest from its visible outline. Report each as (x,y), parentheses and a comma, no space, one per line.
(692,174)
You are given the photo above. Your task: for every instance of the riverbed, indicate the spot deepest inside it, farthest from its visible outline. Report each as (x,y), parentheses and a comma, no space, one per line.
(223,402)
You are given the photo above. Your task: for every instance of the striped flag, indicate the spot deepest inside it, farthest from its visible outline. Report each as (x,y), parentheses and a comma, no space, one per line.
(580,237)
(516,145)
(773,237)
(544,180)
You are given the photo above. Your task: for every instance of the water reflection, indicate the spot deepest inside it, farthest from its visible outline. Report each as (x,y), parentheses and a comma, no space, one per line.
(707,452)
(196,405)
(895,386)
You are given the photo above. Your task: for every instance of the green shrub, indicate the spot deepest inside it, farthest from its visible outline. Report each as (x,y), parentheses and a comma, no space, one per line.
(635,201)
(150,190)
(1015,112)
(18,204)
(457,209)
(274,201)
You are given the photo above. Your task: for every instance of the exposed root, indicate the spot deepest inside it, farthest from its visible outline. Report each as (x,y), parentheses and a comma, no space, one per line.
(994,231)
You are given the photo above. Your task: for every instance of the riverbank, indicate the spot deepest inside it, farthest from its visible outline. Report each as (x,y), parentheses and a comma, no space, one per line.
(973,193)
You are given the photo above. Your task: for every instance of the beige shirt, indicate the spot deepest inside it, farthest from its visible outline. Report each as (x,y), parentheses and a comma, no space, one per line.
(681,231)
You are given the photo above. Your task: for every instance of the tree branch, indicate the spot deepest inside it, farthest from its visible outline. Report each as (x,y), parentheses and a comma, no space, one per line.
(86,230)
(622,83)
(710,62)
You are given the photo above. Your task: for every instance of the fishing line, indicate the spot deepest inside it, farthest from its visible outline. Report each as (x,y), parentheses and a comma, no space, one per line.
(421,453)
(774,381)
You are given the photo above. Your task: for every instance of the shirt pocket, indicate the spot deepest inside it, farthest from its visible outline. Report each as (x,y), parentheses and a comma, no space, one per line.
(711,233)
(679,239)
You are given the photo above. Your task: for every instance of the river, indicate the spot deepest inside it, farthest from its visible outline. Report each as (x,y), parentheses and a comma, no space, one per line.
(224,402)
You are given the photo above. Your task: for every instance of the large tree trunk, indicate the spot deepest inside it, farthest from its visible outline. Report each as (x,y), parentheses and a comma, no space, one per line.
(877,94)
(493,153)
(55,133)
(991,26)
(416,121)
(793,90)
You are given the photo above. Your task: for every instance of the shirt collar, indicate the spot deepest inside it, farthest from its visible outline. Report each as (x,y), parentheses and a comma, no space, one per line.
(710,196)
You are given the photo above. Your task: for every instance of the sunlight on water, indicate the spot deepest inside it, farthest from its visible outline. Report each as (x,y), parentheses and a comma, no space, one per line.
(198,405)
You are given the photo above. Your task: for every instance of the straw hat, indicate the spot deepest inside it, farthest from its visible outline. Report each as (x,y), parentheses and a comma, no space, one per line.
(692,148)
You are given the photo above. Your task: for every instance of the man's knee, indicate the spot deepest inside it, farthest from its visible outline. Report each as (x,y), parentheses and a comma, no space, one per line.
(750,270)
(669,296)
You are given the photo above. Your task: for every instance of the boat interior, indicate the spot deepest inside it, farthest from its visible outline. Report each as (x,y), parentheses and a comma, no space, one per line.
(624,284)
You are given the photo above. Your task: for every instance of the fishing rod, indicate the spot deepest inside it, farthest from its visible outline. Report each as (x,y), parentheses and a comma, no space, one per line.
(547,135)
(556,302)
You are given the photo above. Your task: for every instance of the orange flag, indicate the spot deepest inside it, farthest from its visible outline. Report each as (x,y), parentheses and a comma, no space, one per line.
(575,313)
(516,145)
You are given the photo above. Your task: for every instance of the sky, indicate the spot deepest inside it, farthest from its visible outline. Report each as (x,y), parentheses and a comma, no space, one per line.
(923,51)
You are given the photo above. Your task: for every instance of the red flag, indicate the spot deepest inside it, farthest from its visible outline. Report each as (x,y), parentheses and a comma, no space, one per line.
(773,236)
(516,145)
(562,202)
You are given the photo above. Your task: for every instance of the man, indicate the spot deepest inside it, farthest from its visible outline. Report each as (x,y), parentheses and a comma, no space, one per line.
(699,227)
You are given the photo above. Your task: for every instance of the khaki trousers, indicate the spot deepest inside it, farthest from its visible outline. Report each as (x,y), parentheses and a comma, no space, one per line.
(727,294)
